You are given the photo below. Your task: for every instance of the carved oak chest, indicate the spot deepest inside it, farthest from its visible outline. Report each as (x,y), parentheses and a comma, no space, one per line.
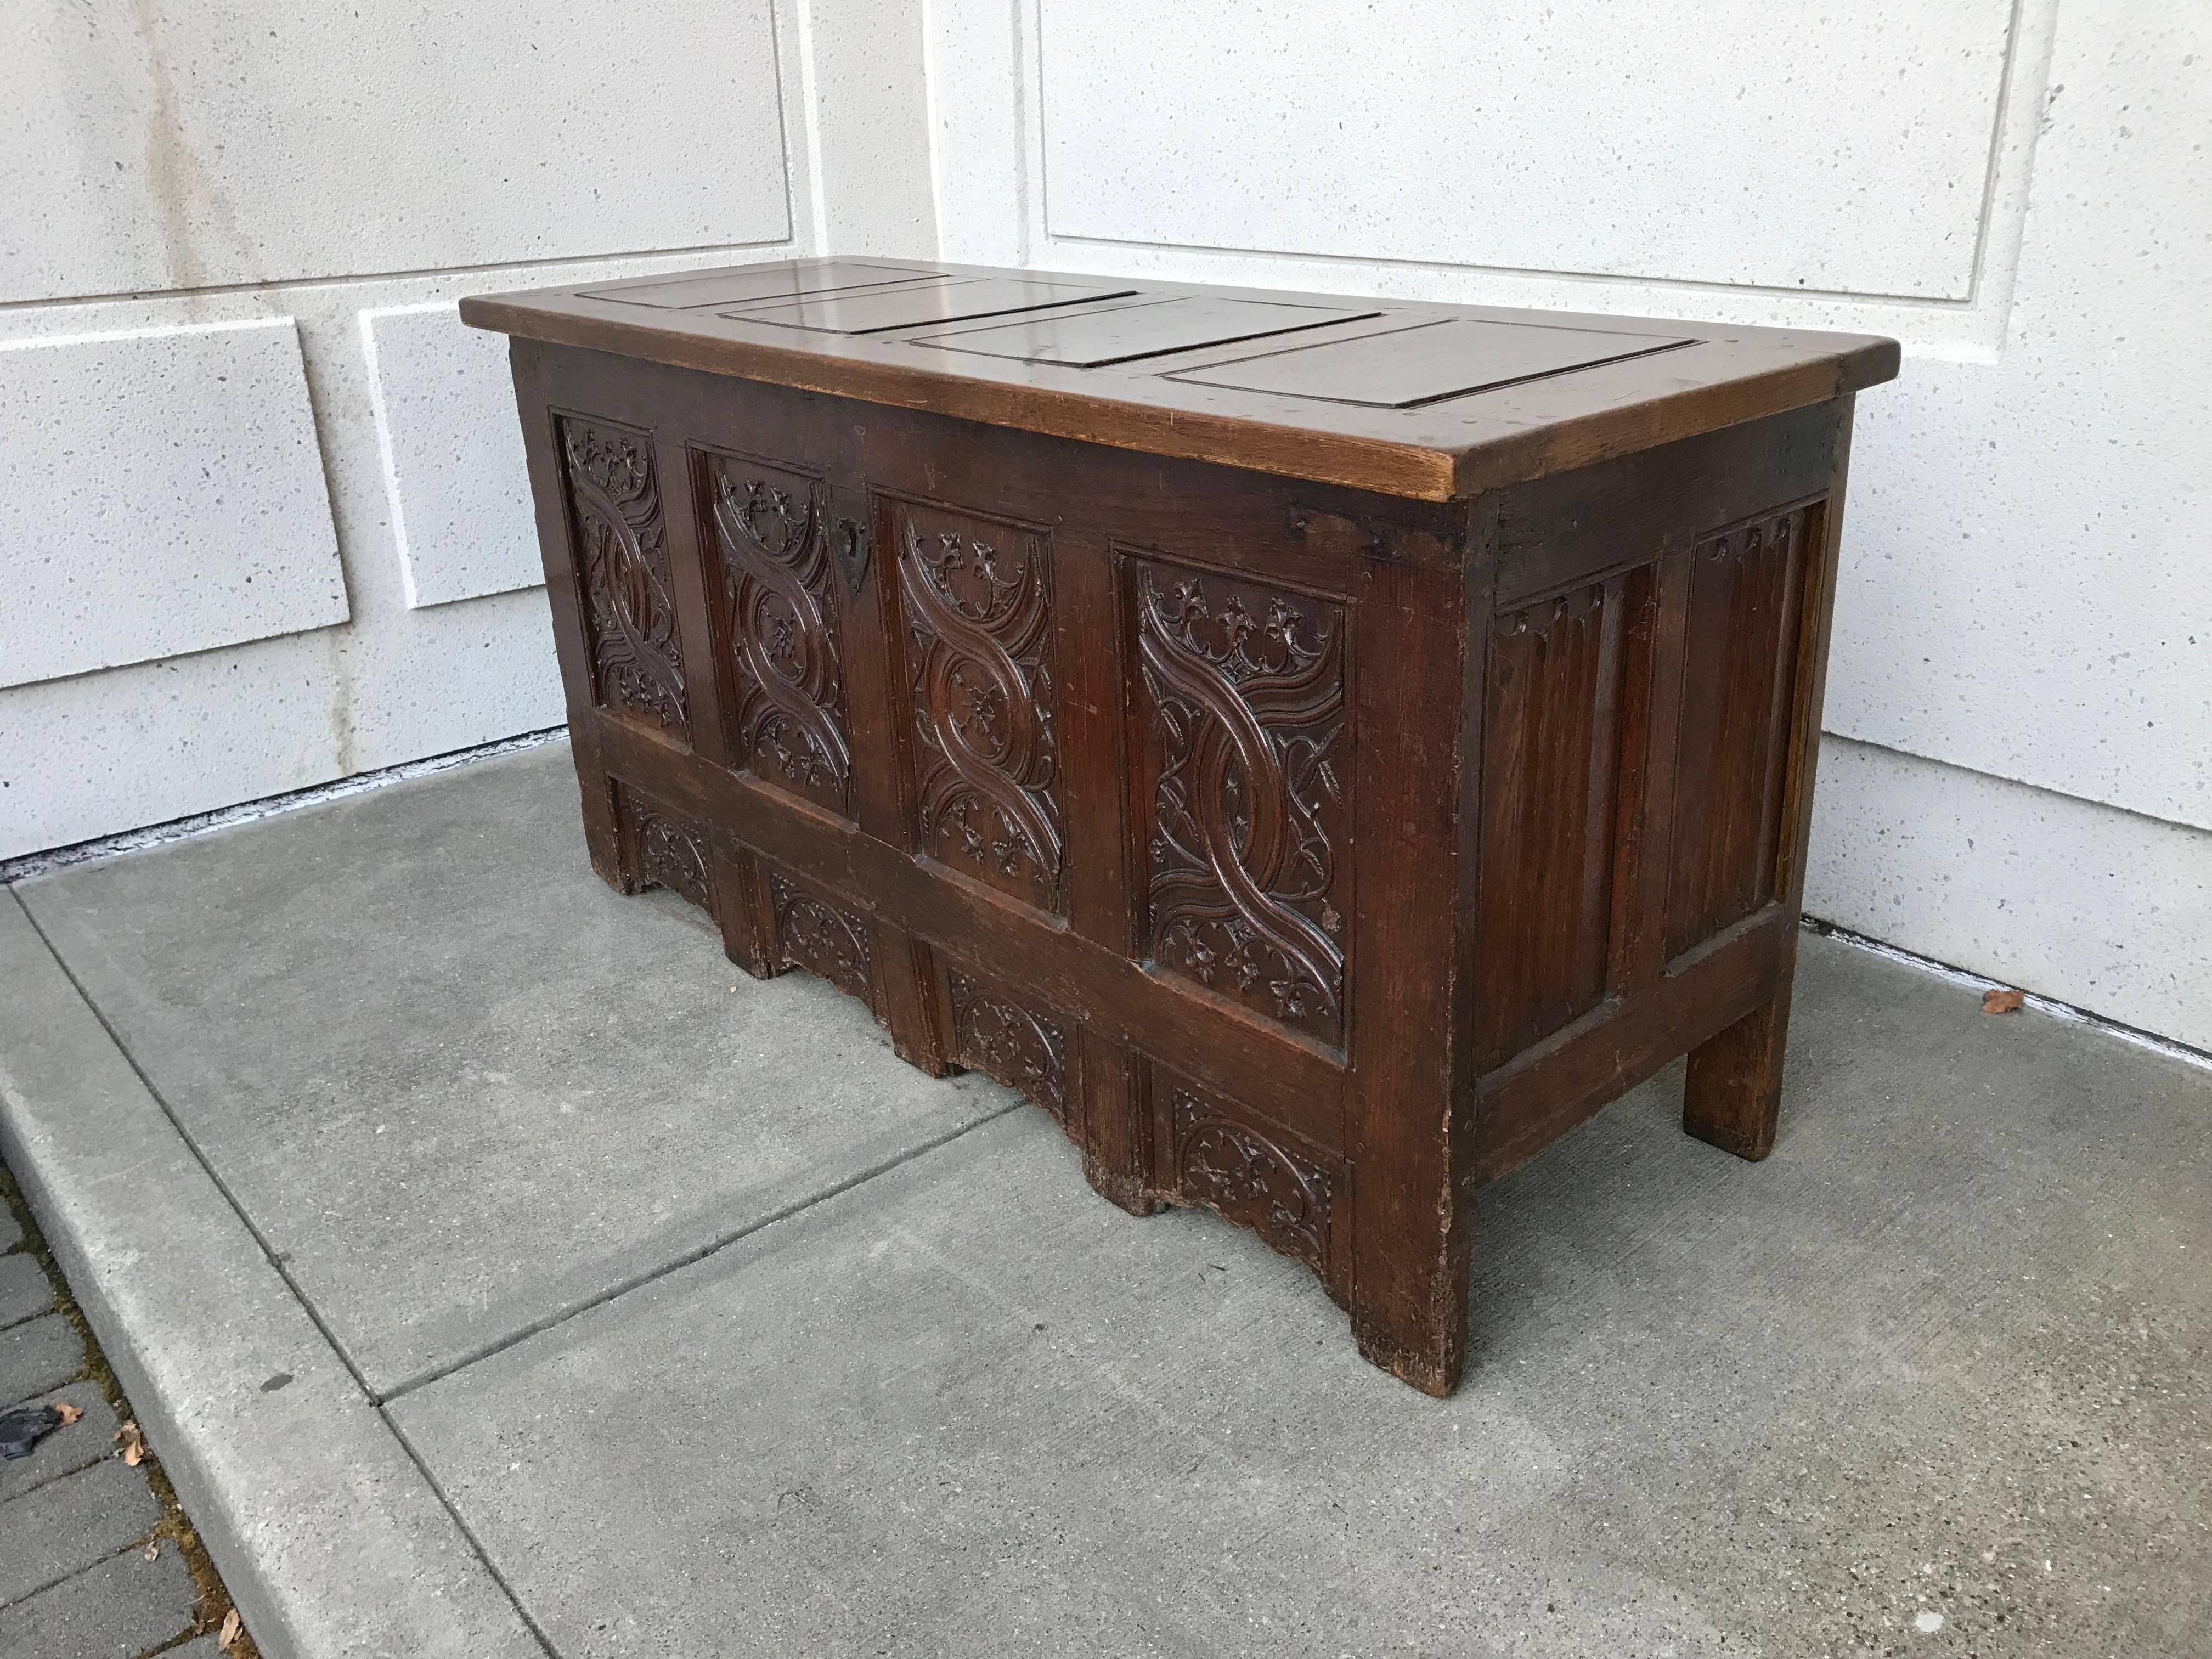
(1319,750)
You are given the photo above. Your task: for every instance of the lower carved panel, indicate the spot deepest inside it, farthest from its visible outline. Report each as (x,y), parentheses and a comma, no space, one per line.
(827,940)
(661,847)
(1011,1044)
(1264,1178)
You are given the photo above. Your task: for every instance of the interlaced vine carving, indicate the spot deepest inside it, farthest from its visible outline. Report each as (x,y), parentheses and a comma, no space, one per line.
(637,656)
(1246,691)
(1008,1043)
(669,850)
(978,619)
(1252,1179)
(820,937)
(787,719)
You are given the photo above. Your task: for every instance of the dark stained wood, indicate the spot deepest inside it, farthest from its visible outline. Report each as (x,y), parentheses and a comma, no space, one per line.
(1409,1066)
(1427,362)
(1317,809)
(751,284)
(1557,738)
(1438,450)
(1142,327)
(916,304)
(1542,1093)
(1733,1095)
(1742,632)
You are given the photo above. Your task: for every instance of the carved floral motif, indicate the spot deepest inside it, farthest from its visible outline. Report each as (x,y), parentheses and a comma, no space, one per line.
(1008,1043)
(622,561)
(826,941)
(1246,693)
(669,849)
(787,719)
(1251,1179)
(978,619)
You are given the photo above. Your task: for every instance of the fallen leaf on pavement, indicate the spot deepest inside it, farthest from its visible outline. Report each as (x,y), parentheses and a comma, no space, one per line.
(233,1628)
(2002,1002)
(67,1412)
(133,1444)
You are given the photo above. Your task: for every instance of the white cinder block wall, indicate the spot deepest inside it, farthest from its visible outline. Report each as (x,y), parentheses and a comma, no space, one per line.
(273,220)
(2019,774)
(264,523)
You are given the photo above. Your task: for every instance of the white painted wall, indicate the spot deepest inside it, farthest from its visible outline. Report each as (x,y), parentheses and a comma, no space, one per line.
(266,524)
(2019,779)
(2020,773)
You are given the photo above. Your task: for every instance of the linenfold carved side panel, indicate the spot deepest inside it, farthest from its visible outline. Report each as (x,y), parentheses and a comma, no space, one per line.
(779,627)
(826,940)
(977,595)
(1010,1043)
(1557,677)
(622,565)
(663,848)
(1747,586)
(1245,784)
(1260,1178)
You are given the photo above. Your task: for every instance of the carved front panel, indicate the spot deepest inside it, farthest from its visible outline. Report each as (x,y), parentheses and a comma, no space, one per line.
(779,628)
(1740,673)
(663,848)
(1245,779)
(621,556)
(824,939)
(977,595)
(1263,1178)
(1009,1042)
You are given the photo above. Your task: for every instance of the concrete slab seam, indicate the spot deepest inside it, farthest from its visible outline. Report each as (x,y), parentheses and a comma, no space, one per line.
(638,1281)
(63,1576)
(226,1518)
(191,1145)
(476,1544)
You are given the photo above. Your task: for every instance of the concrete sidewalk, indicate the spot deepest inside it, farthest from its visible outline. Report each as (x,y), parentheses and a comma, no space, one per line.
(500,1272)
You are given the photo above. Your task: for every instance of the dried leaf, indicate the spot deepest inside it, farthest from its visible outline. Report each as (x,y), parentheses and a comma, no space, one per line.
(67,1412)
(133,1444)
(2002,1002)
(233,1628)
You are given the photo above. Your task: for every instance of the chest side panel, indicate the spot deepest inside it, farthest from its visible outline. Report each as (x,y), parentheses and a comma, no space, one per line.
(1642,655)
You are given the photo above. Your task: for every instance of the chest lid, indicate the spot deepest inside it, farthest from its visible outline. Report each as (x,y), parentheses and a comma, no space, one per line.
(1406,398)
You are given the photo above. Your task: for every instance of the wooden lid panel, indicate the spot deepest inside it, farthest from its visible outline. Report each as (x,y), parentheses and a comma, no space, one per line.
(1145,327)
(784,280)
(1400,397)
(1427,362)
(945,300)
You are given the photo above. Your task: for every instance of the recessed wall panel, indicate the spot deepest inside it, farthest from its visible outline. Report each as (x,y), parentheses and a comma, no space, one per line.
(197,143)
(451,448)
(166,496)
(1840,148)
